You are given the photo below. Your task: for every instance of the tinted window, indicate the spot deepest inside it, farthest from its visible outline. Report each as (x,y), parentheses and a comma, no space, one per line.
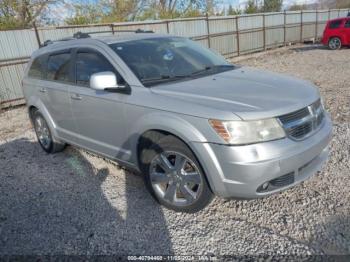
(347,24)
(335,24)
(58,67)
(37,68)
(88,63)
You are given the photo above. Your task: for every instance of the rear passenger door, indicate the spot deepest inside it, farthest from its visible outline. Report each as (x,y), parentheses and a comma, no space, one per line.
(99,114)
(54,92)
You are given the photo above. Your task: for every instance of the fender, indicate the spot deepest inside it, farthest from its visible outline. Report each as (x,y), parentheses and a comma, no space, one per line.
(164,121)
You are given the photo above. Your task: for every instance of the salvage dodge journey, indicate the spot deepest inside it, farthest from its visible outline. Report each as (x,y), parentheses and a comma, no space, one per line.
(191,123)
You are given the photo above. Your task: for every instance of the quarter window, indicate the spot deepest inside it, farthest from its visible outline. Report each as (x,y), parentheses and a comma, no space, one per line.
(88,63)
(37,68)
(58,67)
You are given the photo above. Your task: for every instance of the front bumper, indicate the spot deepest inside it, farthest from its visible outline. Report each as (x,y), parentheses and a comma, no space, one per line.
(240,171)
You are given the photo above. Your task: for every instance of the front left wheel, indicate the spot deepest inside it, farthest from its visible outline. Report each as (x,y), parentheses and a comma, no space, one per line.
(174,176)
(44,135)
(335,43)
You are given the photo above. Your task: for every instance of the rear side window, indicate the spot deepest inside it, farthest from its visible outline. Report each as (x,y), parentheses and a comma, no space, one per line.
(347,23)
(88,63)
(58,67)
(335,24)
(37,69)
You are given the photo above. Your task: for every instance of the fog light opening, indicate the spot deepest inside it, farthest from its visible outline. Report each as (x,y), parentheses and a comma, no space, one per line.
(265,185)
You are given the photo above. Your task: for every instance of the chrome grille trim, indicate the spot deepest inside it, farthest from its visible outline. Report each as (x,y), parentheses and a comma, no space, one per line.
(303,123)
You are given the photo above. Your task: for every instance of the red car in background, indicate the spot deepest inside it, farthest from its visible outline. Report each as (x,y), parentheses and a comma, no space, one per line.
(337,33)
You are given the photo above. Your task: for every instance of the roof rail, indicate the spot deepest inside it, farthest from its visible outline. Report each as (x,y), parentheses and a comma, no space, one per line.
(81,35)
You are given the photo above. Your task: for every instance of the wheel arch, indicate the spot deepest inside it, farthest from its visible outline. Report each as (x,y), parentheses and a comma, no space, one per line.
(336,36)
(152,127)
(36,104)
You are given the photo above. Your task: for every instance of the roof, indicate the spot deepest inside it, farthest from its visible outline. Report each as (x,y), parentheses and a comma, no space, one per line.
(74,41)
(123,37)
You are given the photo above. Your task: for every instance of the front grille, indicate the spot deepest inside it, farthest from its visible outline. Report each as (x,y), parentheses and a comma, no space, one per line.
(303,122)
(301,130)
(294,116)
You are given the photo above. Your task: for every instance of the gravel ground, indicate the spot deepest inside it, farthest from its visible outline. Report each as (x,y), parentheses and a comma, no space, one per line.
(76,203)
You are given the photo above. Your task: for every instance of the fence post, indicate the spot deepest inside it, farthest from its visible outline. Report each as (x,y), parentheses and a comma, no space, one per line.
(264,32)
(208,31)
(285,28)
(237,34)
(112,27)
(316,27)
(37,34)
(301,26)
(329,14)
(167,26)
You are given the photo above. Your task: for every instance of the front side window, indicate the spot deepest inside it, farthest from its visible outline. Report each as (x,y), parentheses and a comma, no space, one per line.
(38,67)
(335,24)
(88,63)
(158,60)
(58,67)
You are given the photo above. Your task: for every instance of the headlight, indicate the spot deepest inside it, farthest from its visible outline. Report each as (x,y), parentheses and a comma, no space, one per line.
(248,132)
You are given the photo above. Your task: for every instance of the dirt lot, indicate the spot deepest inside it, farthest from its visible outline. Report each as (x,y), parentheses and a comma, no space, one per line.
(76,203)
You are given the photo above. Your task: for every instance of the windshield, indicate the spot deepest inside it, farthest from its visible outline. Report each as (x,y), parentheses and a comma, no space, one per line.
(159,60)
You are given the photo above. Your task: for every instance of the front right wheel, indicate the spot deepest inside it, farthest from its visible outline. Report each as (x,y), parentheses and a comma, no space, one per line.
(174,176)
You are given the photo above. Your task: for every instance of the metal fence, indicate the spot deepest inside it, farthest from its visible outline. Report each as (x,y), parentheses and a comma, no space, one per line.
(229,35)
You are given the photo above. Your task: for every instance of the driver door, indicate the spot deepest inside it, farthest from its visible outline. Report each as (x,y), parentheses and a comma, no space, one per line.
(99,115)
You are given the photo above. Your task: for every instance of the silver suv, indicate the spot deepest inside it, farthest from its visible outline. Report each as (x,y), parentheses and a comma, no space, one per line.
(193,124)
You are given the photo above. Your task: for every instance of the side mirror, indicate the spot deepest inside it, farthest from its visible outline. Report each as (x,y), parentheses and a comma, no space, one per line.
(105,81)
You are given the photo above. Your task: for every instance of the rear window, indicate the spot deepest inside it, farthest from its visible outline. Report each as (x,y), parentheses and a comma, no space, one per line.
(335,24)
(37,69)
(58,67)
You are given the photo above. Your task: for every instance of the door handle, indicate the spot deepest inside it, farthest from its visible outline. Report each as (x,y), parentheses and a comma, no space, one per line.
(42,90)
(76,97)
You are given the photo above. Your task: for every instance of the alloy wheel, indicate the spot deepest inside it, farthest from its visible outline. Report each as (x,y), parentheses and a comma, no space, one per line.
(175,178)
(42,131)
(335,43)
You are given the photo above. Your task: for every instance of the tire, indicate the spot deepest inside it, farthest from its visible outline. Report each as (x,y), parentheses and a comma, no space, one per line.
(44,135)
(334,43)
(178,183)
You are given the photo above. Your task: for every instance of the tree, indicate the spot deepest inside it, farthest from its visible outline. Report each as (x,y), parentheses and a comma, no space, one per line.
(251,7)
(233,11)
(85,14)
(272,5)
(22,13)
(325,4)
(297,7)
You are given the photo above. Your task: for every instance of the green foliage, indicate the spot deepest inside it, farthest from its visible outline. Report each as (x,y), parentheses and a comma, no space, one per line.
(296,7)
(233,11)
(251,7)
(272,5)
(23,13)
(85,14)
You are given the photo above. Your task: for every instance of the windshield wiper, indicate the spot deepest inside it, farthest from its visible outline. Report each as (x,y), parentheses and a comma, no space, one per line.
(210,68)
(163,78)
(168,78)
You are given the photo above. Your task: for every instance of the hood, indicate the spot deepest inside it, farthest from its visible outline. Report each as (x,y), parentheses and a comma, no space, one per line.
(246,92)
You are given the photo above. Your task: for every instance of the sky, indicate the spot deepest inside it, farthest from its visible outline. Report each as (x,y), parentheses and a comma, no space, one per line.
(61,12)
(241,3)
